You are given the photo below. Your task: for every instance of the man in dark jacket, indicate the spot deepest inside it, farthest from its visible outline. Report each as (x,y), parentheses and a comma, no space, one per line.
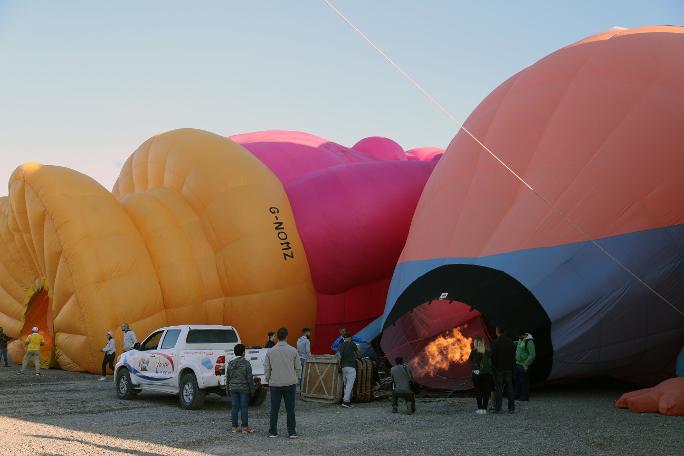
(240,384)
(402,378)
(348,353)
(4,338)
(503,363)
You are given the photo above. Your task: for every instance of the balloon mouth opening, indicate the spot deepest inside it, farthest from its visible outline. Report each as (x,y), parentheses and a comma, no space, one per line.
(450,306)
(436,339)
(38,314)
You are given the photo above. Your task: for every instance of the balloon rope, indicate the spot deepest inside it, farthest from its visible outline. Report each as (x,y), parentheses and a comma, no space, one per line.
(460,125)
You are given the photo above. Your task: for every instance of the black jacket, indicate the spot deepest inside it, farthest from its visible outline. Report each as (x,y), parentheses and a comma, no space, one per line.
(349,352)
(503,353)
(239,375)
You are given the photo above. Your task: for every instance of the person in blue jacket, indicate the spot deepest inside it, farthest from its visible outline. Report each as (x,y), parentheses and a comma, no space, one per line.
(336,345)
(680,364)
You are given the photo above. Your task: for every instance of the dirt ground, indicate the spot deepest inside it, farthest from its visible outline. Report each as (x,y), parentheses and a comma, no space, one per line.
(73,414)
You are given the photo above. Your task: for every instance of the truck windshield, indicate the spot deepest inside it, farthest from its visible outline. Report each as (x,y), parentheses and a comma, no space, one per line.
(211,336)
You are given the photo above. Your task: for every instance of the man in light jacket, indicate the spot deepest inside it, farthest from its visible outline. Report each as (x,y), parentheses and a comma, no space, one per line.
(282,369)
(304,348)
(129,339)
(109,355)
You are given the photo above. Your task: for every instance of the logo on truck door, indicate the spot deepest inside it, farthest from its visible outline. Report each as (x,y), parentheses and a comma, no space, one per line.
(153,367)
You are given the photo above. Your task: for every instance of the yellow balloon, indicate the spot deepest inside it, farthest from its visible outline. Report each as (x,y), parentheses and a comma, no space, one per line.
(186,236)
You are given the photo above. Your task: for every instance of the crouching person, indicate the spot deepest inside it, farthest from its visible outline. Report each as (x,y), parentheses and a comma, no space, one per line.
(402,378)
(240,383)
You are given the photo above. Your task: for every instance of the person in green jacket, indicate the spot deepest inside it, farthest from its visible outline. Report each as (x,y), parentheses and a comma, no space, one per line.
(480,358)
(525,353)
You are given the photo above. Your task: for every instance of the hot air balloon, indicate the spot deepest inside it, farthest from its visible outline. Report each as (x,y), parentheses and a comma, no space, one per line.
(259,231)
(579,242)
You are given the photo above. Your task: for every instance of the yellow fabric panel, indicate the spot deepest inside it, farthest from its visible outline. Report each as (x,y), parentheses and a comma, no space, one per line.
(190,223)
(170,251)
(73,234)
(230,191)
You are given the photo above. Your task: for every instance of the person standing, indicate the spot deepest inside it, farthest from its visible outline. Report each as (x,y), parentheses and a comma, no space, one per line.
(336,344)
(348,353)
(109,355)
(525,353)
(4,338)
(240,384)
(402,378)
(480,358)
(503,363)
(270,340)
(33,343)
(304,348)
(282,369)
(129,339)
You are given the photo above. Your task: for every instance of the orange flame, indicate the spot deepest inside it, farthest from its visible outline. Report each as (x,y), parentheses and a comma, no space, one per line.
(438,355)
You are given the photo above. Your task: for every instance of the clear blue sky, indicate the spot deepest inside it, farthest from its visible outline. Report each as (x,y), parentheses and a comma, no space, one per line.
(83,83)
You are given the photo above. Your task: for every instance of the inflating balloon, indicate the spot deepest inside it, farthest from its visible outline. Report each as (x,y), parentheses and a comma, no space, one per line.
(581,241)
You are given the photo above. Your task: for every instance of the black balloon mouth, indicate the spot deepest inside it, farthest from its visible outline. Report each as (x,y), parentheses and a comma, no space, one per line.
(496,297)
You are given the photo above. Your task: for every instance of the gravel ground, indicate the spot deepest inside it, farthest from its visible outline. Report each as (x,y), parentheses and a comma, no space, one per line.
(71,413)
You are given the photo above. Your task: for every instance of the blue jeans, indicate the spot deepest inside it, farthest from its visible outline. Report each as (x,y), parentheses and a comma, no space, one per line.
(522,383)
(240,402)
(501,377)
(288,394)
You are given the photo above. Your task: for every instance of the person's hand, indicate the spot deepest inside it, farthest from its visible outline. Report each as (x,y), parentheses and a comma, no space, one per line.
(525,367)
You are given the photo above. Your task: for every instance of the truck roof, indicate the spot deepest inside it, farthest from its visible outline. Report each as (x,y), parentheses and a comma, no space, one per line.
(197,327)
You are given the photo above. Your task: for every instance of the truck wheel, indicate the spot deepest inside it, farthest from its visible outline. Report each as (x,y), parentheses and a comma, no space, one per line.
(259,397)
(124,386)
(191,397)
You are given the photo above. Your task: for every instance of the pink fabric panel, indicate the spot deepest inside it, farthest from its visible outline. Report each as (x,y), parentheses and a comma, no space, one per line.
(354,219)
(293,154)
(380,148)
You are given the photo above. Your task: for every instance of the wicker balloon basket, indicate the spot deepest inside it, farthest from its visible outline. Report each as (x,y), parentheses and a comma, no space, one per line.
(322,381)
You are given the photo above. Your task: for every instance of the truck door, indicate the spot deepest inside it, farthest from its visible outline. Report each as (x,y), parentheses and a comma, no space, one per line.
(166,362)
(145,363)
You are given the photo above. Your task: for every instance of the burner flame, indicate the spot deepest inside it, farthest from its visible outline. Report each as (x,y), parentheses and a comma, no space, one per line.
(438,355)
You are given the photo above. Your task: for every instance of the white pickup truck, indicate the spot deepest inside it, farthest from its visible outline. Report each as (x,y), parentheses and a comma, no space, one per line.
(188,361)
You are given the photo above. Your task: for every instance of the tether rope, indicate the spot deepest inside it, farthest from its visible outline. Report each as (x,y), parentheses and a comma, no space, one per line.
(460,126)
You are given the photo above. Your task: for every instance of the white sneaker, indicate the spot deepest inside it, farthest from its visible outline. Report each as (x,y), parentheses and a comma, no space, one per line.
(101,379)
(483,412)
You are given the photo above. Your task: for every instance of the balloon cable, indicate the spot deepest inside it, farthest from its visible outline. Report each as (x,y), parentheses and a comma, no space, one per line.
(462,127)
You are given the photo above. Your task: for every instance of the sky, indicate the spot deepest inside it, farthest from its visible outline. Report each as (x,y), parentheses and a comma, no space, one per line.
(84,83)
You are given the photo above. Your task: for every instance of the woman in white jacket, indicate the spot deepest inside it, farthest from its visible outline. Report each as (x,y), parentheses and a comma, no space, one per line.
(109,355)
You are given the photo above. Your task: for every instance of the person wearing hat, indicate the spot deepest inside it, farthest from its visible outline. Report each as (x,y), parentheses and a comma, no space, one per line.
(129,339)
(33,343)
(109,355)
(348,353)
